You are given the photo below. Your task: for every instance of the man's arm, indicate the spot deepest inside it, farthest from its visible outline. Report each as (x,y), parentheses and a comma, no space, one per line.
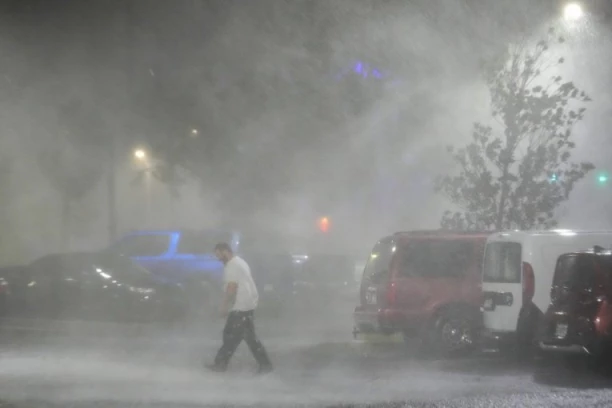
(231,289)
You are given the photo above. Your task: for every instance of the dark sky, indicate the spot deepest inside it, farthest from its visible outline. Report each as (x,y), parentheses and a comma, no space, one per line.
(261,81)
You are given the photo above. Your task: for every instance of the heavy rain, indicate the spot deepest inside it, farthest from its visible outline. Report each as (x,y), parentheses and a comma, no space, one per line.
(393,203)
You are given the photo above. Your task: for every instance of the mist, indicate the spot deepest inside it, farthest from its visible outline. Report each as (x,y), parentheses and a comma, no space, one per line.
(429,93)
(261,115)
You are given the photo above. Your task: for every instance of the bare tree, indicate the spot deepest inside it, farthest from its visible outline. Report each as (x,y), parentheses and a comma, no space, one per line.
(516,172)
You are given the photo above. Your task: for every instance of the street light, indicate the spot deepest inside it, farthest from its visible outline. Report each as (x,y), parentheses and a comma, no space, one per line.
(140,154)
(194,132)
(573,12)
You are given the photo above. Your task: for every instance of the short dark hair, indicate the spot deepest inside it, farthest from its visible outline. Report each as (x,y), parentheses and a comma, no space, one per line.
(223,246)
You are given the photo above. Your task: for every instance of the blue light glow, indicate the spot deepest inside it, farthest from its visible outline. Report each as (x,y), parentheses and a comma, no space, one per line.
(362,69)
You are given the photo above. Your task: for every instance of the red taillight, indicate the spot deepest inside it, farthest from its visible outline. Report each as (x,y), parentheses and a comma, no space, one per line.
(391,294)
(528,283)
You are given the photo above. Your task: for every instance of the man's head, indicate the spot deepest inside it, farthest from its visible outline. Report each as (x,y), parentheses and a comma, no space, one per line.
(223,252)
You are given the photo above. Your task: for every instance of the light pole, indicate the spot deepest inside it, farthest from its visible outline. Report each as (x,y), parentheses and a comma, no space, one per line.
(111,185)
(141,156)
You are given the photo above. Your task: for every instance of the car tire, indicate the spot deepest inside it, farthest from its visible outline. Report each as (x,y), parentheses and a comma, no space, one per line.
(455,333)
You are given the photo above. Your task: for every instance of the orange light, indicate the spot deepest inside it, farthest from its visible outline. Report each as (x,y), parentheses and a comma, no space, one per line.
(324,224)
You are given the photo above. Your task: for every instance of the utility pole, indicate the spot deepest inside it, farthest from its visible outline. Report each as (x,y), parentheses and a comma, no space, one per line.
(126,46)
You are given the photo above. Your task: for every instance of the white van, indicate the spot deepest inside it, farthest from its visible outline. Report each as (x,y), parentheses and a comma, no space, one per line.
(517,277)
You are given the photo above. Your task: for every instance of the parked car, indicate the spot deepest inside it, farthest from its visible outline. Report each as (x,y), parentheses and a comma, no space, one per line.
(89,287)
(186,257)
(579,318)
(182,257)
(517,275)
(426,284)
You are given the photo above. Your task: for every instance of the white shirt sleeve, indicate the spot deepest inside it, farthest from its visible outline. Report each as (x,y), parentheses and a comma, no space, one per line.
(231,273)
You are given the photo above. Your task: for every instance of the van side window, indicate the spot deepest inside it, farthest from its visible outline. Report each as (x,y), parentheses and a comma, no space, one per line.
(503,262)
(436,258)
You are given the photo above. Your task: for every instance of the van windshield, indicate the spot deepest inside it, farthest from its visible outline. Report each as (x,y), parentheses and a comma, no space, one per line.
(503,262)
(377,267)
(436,258)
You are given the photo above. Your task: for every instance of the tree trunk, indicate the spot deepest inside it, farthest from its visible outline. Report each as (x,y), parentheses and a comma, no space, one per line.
(499,222)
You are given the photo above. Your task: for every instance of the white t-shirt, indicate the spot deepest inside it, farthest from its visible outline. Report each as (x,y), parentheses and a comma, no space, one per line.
(238,271)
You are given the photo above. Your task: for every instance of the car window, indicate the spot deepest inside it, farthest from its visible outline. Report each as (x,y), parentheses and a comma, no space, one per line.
(435,258)
(144,245)
(44,279)
(378,265)
(46,273)
(119,267)
(503,262)
(202,243)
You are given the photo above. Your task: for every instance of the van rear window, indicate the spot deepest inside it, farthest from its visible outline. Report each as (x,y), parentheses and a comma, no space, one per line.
(503,262)
(377,267)
(578,271)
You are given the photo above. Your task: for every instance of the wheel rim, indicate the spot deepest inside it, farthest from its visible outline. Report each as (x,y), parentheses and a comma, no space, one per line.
(457,334)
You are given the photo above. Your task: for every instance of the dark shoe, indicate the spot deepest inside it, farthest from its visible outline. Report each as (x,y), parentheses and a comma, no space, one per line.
(265,369)
(215,368)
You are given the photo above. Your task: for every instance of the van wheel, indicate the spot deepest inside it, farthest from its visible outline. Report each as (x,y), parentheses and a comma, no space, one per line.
(455,333)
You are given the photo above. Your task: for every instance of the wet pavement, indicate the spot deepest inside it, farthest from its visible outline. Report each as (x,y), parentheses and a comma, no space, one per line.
(317,364)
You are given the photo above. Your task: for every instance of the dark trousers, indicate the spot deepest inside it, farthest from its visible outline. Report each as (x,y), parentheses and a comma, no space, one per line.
(240,326)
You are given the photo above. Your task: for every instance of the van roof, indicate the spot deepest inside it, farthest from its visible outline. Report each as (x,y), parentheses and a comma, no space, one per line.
(543,233)
(442,233)
(597,250)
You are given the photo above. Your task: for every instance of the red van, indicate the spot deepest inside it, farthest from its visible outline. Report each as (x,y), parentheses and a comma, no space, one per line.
(426,284)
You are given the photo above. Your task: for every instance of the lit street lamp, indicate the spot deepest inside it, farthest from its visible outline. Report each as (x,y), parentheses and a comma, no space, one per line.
(573,12)
(140,154)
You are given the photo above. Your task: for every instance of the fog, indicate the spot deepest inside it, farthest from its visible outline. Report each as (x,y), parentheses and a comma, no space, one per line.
(106,60)
(265,114)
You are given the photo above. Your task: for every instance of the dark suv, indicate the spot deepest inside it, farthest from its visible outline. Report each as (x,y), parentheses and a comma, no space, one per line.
(579,318)
(426,284)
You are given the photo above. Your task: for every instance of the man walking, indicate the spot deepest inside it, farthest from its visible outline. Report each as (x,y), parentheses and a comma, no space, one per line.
(239,304)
